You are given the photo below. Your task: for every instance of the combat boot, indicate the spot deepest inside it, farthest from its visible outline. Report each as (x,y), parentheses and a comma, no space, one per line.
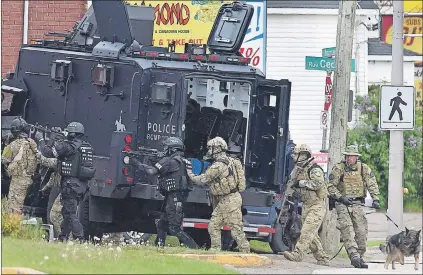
(355,262)
(292,256)
(363,264)
(323,262)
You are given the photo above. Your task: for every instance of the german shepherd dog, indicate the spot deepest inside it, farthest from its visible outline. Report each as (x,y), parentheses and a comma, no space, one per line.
(404,244)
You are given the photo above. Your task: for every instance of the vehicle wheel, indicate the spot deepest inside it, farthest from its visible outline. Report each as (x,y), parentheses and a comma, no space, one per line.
(201,237)
(90,230)
(136,236)
(54,206)
(278,243)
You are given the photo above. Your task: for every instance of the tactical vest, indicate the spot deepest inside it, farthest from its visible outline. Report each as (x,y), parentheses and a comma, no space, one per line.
(351,182)
(80,164)
(226,183)
(176,180)
(310,196)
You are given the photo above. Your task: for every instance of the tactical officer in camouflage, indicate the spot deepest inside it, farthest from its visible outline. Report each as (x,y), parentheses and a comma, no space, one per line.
(75,169)
(173,185)
(21,158)
(348,183)
(226,179)
(307,182)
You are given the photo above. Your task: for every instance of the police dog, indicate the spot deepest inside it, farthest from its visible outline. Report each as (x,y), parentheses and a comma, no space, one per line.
(404,244)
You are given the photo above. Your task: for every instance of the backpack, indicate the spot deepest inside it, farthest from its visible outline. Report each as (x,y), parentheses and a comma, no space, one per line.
(239,173)
(26,159)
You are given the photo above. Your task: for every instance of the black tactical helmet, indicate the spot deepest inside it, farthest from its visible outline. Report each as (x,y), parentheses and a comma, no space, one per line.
(76,128)
(173,143)
(18,125)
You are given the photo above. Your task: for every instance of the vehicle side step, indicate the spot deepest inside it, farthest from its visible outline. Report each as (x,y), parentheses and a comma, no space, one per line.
(204,224)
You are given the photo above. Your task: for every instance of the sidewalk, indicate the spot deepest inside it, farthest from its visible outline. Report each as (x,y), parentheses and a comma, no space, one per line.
(378,224)
(376,260)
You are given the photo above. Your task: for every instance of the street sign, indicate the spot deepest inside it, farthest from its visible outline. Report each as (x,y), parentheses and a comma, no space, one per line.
(323,119)
(316,63)
(396,108)
(328,52)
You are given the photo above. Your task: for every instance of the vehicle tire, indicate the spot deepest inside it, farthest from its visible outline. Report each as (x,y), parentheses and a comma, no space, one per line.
(136,236)
(201,237)
(54,206)
(277,243)
(90,230)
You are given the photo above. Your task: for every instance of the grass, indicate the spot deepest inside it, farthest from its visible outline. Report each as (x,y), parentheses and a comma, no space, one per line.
(260,246)
(413,206)
(72,258)
(374,243)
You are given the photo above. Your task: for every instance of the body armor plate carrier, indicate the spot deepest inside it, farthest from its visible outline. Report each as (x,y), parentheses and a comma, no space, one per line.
(80,164)
(176,180)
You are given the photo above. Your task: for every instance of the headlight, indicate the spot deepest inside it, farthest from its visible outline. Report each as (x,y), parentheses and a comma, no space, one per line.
(126,159)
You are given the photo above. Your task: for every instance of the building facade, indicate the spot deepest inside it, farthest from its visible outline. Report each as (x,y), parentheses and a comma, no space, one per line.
(296,29)
(22,21)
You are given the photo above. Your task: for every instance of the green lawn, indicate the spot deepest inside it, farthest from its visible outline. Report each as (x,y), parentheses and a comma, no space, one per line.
(62,258)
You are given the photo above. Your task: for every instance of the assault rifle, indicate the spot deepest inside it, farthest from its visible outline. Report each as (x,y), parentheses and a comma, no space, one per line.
(143,152)
(284,195)
(53,132)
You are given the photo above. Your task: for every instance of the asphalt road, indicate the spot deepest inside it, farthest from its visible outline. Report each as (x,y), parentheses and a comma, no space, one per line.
(378,229)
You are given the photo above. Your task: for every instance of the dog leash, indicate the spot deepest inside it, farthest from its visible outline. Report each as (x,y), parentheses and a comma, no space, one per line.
(391,220)
(340,249)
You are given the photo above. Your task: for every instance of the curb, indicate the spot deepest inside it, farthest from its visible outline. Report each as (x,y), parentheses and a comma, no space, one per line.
(237,260)
(19,270)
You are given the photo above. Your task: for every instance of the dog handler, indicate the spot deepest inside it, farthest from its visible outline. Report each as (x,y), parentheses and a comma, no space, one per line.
(348,184)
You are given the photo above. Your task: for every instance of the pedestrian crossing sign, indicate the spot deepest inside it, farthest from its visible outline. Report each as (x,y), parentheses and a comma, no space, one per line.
(396,108)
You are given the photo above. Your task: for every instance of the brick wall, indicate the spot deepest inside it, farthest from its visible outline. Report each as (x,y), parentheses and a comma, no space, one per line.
(44,16)
(11,33)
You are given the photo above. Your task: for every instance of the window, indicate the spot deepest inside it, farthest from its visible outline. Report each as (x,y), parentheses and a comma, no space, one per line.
(102,75)
(163,93)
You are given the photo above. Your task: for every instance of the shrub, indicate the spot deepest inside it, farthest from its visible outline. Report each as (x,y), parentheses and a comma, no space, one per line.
(11,225)
(374,147)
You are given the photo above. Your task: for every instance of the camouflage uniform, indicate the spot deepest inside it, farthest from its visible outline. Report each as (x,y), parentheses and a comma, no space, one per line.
(22,157)
(56,217)
(351,182)
(308,183)
(225,183)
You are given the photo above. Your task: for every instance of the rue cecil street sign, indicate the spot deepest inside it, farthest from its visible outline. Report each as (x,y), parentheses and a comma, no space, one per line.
(316,63)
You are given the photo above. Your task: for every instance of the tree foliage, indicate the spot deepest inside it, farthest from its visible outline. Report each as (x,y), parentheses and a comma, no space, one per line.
(374,147)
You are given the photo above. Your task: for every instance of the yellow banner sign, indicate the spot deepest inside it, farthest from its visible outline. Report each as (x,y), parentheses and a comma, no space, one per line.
(413,6)
(190,21)
(182,21)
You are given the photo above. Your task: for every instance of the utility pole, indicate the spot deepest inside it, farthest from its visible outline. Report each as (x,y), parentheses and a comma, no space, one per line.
(396,138)
(339,114)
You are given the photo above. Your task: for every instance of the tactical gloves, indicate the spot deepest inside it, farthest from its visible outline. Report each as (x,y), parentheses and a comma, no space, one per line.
(376,204)
(346,201)
(39,136)
(188,164)
(296,184)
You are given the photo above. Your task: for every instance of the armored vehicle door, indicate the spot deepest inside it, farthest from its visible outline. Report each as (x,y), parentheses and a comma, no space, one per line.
(268,132)
(165,107)
(230,27)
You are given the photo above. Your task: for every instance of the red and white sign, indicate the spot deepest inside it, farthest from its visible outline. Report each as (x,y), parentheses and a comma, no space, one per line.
(328,93)
(320,158)
(324,119)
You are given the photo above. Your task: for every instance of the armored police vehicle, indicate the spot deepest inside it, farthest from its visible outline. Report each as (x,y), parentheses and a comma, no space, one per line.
(130,95)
